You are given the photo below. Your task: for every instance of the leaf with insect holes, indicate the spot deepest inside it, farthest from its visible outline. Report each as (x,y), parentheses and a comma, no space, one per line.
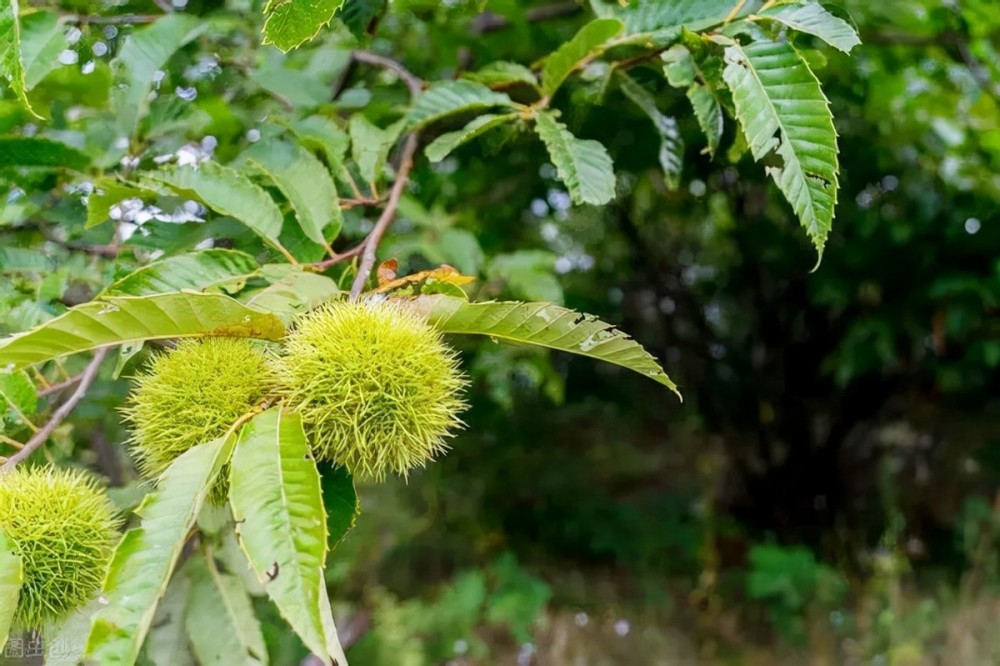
(290,23)
(784,112)
(545,325)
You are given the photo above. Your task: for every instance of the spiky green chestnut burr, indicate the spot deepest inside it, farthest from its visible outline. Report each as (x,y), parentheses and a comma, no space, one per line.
(63,526)
(192,395)
(377,388)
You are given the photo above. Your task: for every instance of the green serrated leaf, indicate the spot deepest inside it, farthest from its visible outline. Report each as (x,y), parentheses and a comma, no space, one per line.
(146,557)
(695,15)
(545,325)
(811,18)
(570,55)
(227,192)
(11,577)
(38,152)
(671,143)
(502,73)
(323,134)
(144,54)
(444,144)
(582,164)
(291,23)
(43,38)
(783,112)
(220,620)
(305,182)
(278,507)
(451,97)
(11,65)
(167,643)
(120,319)
(201,270)
(708,112)
(370,145)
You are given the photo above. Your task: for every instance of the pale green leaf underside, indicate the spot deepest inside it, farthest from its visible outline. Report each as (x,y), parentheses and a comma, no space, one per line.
(220,619)
(582,164)
(813,19)
(305,182)
(695,15)
(146,556)
(545,325)
(290,23)
(708,112)
(227,192)
(11,577)
(783,111)
(570,55)
(452,97)
(11,65)
(444,144)
(167,643)
(370,145)
(291,293)
(502,73)
(278,507)
(65,639)
(201,270)
(118,320)
(671,144)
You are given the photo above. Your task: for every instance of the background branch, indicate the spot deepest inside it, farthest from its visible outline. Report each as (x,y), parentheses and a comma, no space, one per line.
(64,410)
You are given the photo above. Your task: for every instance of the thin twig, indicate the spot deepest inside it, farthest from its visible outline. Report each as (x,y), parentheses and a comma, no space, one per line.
(388,215)
(64,410)
(124,19)
(411,80)
(55,388)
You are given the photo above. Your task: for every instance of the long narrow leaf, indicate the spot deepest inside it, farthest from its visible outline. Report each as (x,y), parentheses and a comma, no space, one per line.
(570,55)
(11,65)
(671,143)
(444,144)
(201,270)
(813,19)
(227,192)
(278,506)
(147,555)
(220,620)
(305,182)
(783,111)
(582,164)
(118,320)
(545,325)
(451,97)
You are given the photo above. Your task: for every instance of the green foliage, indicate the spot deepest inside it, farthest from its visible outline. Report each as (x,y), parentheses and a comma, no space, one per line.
(147,555)
(119,320)
(62,527)
(291,22)
(41,153)
(584,45)
(583,165)
(11,65)
(545,325)
(789,580)
(278,506)
(229,376)
(377,389)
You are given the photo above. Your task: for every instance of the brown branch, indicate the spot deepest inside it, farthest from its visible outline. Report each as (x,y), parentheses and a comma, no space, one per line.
(412,81)
(388,215)
(55,388)
(43,434)
(489,22)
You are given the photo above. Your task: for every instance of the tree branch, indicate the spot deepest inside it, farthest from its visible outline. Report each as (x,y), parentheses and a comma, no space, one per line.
(64,410)
(370,244)
(412,81)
